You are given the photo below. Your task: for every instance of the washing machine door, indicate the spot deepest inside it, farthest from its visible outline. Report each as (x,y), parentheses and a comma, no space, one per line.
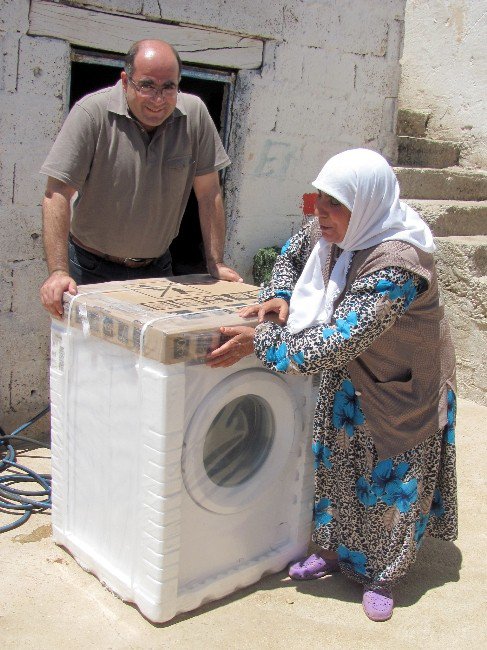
(239,440)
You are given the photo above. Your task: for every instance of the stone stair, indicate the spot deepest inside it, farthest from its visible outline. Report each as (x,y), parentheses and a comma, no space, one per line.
(453,201)
(428,153)
(448,183)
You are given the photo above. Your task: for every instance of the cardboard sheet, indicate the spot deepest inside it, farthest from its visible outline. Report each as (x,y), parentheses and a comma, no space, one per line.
(170,320)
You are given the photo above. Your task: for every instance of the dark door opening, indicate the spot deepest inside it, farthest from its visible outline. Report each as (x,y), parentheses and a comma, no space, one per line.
(91,71)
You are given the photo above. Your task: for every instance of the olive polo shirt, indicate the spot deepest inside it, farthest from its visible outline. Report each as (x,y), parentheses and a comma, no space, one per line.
(132,187)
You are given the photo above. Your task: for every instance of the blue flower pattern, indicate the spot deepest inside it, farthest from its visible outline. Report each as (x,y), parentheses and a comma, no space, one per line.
(437,507)
(322,455)
(286,295)
(402,495)
(343,326)
(451,418)
(285,247)
(437,510)
(420,528)
(407,291)
(387,485)
(385,473)
(365,492)
(355,560)
(280,359)
(346,409)
(322,516)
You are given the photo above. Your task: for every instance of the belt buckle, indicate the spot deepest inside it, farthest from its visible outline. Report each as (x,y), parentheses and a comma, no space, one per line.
(136,262)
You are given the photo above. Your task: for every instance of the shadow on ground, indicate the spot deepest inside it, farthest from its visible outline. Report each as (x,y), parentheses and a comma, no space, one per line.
(438,563)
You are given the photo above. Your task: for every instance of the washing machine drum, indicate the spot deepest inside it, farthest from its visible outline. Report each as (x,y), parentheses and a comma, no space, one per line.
(239,440)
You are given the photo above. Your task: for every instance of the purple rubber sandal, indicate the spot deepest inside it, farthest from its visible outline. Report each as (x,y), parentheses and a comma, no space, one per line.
(312,567)
(377,603)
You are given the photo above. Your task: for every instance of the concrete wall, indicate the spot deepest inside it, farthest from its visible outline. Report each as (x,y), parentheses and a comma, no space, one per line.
(444,71)
(327,83)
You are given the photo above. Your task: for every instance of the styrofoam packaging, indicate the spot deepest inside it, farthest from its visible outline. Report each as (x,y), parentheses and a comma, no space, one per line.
(174,483)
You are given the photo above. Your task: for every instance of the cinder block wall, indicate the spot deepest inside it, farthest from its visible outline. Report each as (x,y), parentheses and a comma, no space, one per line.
(329,81)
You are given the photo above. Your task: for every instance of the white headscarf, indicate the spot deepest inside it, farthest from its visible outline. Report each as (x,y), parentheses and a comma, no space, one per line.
(363,181)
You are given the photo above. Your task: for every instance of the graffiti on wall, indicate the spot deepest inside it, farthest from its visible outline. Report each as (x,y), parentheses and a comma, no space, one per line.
(274,159)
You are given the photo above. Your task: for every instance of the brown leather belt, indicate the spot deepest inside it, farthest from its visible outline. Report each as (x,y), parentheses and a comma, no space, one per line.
(130,262)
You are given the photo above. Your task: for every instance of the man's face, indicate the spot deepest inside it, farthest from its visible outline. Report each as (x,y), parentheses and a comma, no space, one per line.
(154,67)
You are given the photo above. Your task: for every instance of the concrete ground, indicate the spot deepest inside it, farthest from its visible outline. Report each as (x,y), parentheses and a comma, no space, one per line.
(48,601)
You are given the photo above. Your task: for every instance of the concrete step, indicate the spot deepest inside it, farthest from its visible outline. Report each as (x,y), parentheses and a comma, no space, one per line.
(462,273)
(473,270)
(451,183)
(447,218)
(412,123)
(424,152)
(462,270)
(475,250)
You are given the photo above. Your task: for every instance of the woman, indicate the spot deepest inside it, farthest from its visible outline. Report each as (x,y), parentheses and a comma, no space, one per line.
(364,311)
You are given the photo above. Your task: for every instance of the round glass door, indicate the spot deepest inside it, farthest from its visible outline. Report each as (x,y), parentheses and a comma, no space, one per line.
(238,441)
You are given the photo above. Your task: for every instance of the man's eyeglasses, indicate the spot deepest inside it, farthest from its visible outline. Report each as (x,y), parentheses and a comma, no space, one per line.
(147,89)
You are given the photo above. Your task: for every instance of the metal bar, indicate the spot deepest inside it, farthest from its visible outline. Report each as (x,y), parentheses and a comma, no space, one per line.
(81,56)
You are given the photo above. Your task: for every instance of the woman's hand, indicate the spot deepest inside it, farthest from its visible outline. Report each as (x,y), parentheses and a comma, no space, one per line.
(275,310)
(239,345)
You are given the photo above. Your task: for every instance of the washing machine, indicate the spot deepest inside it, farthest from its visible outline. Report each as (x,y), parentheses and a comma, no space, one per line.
(175,483)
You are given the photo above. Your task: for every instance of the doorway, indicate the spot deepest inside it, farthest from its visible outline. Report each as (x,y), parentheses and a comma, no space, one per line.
(92,70)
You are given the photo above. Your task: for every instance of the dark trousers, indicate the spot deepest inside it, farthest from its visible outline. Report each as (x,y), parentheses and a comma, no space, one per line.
(87,268)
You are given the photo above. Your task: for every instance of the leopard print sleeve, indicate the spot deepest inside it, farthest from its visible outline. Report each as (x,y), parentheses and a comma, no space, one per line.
(371,306)
(288,267)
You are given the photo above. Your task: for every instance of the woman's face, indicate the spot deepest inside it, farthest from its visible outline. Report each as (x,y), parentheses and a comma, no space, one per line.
(333,217)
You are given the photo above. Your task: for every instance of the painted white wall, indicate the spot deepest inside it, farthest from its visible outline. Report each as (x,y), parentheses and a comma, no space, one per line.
(329,81)
(444,71)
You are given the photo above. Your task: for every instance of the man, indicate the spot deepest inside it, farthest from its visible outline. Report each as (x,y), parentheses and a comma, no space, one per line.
(124,162)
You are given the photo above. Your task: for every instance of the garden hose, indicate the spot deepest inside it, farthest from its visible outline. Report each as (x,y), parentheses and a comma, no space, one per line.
(24,502)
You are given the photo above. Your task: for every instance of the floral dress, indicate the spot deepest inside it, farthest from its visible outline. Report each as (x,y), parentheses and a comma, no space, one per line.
(372,513)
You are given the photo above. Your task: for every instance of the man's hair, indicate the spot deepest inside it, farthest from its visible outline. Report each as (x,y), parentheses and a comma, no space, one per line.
(132,53)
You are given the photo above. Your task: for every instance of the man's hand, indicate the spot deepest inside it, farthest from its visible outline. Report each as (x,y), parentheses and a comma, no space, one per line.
(240,345)
(223,272)
(275,310)
(52,292)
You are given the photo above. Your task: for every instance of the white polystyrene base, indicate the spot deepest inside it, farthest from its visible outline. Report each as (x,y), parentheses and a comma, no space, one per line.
(125,502)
